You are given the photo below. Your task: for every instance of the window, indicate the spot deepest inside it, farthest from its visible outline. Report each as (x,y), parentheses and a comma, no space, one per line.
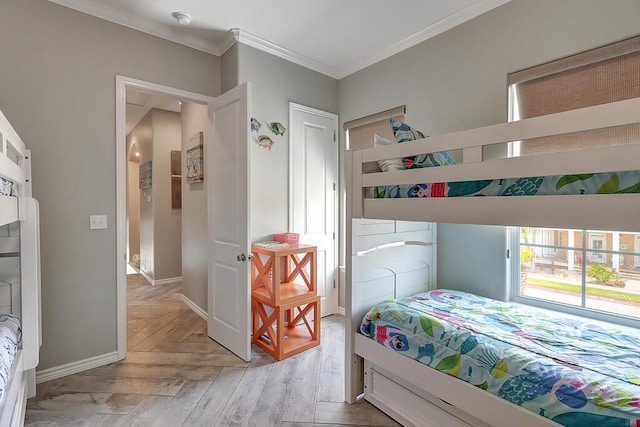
(587,272)
(595,270)
(551,239)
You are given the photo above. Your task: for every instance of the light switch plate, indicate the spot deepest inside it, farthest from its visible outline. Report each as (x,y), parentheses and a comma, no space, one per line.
(97,222)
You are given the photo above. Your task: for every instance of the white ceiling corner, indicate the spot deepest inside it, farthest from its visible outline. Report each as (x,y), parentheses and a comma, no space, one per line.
(136,22)
(249,39)
(439,27)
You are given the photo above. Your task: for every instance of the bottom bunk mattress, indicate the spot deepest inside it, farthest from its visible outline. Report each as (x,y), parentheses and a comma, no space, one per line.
(574,371)
(10,334)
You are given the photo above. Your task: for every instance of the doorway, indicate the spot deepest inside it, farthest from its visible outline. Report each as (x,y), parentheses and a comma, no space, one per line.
(313,195)
(122,85)
(227,124)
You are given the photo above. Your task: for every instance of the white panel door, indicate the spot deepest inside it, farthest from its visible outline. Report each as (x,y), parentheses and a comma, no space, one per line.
(313,202)
(226,172)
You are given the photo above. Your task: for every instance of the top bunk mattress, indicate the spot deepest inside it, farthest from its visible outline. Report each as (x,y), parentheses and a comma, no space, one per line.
(574,371)
(575,184)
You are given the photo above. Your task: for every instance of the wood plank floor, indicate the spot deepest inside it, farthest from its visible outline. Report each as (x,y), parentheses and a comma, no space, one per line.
(175,375)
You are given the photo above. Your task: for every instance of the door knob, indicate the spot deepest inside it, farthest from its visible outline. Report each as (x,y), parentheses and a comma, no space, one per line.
(243,257)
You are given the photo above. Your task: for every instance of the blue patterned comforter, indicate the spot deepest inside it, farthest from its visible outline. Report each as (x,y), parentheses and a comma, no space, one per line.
(10,334)
(574,371)
(591,183)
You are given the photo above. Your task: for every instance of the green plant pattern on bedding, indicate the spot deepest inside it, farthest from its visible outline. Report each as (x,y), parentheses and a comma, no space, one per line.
(576,372)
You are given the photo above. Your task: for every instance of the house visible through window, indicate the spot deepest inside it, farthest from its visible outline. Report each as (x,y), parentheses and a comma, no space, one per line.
(589,272)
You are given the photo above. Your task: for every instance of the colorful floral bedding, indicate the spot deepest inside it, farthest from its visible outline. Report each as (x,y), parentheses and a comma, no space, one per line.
(10,334)
(592,183)
(574,371)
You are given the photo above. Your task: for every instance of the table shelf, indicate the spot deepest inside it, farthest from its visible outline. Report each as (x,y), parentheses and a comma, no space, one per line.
(286,330)
(289,292)
(283,275)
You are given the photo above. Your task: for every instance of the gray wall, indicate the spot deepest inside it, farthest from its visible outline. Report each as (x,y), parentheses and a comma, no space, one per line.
(457,81)
(57,88)
(275,82)
(133,209)
(142,135)
(229,66)
(167,222)
(194,211)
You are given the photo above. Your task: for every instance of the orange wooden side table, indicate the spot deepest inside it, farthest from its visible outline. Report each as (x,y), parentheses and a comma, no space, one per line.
(285,303)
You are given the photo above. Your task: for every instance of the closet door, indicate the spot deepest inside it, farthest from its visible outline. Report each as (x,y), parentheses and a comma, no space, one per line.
(313,196)
(226,173)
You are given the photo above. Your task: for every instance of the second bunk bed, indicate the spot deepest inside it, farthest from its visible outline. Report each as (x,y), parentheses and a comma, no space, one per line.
(430,356)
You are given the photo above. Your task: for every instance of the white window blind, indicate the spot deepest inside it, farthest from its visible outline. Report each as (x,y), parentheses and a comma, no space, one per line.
(360,131)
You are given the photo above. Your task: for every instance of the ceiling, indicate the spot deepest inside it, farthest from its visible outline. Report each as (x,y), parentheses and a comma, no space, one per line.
(333,37)
(140,103)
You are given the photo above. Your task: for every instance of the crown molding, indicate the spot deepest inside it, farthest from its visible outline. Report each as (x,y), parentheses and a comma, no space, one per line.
(231,38)
(236,35)
(139,24)
(431,31)
(259,43)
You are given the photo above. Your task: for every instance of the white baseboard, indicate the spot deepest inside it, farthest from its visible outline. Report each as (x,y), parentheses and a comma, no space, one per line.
(146,276)
(341,311)
(75,367)
(194,307)
(167,281)
(154,282)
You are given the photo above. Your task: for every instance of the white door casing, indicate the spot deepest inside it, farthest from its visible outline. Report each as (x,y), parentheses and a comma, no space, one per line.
(226,172)
(313,199)
(122,84)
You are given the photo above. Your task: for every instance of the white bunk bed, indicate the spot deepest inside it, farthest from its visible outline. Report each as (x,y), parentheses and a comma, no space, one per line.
(19,271)
(378,266)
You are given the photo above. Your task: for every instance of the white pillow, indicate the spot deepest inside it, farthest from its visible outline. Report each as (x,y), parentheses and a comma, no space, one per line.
(387,164)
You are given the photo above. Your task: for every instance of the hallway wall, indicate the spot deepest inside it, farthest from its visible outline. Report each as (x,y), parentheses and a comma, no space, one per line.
(194,211)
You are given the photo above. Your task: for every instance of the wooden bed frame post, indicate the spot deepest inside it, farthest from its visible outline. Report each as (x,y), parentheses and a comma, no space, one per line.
(354,364)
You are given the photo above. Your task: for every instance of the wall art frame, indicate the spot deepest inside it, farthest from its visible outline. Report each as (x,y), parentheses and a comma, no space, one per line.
(195,160)
(145,179)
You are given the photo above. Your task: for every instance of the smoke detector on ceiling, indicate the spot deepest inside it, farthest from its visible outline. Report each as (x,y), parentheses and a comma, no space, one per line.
(182,18)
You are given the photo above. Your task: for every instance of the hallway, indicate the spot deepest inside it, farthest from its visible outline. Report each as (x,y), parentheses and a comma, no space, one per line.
(175,375)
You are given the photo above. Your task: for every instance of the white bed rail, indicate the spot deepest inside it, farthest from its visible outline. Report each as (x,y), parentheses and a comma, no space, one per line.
(613,211)
(12,153)
(15,167)
(30,283)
